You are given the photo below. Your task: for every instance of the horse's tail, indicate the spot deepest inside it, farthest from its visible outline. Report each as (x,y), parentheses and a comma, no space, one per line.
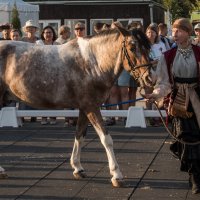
(6,48)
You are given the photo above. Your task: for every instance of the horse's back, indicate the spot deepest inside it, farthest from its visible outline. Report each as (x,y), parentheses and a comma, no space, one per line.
(53,75)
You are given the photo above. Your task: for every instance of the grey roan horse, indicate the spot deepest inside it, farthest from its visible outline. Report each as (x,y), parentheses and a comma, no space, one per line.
(78,74)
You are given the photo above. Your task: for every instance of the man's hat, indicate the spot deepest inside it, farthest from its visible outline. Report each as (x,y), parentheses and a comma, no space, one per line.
(30,23)
(79,25)
(197,26)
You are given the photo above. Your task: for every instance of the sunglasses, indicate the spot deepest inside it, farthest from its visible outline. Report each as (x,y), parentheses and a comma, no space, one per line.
(80,29)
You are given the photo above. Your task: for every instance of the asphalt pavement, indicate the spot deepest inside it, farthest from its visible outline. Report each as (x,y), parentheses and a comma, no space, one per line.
(36,158)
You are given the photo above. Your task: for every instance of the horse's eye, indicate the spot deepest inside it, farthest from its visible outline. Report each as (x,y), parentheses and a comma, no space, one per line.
(133,46)
(133,49)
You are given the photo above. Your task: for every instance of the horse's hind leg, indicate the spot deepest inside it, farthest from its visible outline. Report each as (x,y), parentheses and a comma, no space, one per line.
(97,122)
(81,129)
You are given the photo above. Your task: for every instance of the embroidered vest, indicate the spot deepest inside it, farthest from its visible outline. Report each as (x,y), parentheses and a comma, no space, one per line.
(170,55)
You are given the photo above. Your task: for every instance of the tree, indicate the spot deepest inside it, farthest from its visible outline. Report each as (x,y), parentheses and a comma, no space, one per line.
(180,8)
(15,21)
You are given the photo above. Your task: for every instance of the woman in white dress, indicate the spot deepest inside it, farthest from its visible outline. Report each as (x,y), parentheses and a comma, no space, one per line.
(157,49)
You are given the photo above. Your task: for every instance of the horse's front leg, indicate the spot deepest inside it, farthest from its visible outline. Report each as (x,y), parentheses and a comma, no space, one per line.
(97,122)
(81,129)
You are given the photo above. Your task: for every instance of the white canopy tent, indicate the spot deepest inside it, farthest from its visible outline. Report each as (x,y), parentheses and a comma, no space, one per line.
(26,11)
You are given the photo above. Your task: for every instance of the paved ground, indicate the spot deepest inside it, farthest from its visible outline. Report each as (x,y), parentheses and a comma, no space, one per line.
(37,161)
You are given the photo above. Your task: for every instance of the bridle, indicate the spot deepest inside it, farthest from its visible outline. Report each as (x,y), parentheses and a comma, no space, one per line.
(133,72)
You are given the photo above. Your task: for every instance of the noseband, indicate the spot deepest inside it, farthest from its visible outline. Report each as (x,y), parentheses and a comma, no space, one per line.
(133,71)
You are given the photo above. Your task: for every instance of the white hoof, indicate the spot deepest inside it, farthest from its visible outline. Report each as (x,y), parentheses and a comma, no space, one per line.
(118,183)
(79,175)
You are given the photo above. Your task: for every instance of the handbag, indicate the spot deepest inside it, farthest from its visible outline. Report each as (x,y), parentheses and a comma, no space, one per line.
(178,103)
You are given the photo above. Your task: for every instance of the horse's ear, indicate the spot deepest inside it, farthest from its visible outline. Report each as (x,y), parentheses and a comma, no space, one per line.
(123,31)
(118,26)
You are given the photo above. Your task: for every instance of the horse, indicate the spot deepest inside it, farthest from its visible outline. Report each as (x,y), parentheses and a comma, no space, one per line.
(78,74)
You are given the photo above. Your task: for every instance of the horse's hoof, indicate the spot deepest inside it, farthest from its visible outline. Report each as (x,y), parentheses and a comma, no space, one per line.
(3,175)
(118,183)
(79,175)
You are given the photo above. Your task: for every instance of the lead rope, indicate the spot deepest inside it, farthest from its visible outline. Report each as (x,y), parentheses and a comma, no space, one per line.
(163,121)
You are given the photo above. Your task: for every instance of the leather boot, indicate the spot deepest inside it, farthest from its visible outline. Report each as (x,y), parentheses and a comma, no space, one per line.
(195,178)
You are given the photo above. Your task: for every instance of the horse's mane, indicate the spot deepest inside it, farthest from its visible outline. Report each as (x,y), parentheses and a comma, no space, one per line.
(112,31)
(106,33)
(141,38)
(138,34)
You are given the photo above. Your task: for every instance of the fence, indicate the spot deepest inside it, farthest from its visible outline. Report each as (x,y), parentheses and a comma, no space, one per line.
(11,116)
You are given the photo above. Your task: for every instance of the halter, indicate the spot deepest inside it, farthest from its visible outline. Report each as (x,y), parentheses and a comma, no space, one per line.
(133,72)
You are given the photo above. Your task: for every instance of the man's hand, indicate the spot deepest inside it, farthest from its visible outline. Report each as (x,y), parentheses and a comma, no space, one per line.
(149,97)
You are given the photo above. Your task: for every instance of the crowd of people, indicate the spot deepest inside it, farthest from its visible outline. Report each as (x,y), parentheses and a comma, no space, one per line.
(125,88)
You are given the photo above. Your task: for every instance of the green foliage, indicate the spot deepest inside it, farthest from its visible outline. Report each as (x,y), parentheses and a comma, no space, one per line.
(15,21)
(180,8)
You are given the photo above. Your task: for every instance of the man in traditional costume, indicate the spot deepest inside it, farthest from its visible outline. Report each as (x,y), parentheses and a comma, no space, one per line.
(178,74)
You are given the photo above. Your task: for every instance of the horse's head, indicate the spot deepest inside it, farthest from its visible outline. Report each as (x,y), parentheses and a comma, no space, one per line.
(135,55)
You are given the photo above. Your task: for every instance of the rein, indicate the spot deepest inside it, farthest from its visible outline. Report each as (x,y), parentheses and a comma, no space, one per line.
(163,121)
(132,65)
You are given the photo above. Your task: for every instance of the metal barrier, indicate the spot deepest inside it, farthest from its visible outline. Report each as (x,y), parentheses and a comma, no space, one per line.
(11,116)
